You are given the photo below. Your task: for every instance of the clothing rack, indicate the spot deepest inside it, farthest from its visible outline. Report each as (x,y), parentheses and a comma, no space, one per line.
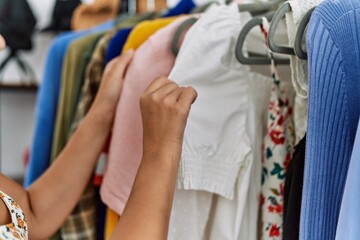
(282,104)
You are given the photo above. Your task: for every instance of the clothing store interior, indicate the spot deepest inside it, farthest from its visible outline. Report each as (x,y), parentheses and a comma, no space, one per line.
(269,147)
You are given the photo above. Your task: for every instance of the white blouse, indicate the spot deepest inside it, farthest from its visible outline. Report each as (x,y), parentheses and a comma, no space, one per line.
(219,177)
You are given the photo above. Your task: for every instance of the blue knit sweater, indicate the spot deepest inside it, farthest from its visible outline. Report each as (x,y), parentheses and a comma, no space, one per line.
(349,219)
(333,41)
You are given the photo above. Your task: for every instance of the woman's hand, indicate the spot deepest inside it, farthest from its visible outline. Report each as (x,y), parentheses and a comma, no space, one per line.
(165,108)
(109,92)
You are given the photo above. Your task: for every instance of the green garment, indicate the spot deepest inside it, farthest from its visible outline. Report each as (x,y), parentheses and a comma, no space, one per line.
(81,74)
(92,81)
(71,67)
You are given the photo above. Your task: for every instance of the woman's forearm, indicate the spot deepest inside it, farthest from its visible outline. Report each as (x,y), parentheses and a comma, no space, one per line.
(52,198)
(147,212)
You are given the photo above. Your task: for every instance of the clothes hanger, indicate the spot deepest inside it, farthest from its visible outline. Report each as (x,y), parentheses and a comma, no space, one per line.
(204,7)
(279,14)
(175,44)
(253,8)
(257,59)
(300,35)
(260,8)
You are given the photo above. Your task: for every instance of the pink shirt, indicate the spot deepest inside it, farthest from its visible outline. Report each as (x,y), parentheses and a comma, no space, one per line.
(152,59)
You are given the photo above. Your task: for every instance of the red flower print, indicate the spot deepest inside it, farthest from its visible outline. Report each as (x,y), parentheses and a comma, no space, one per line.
(280,120)
(279,209)
(290,111)
(276,137)
(271,209)
(274,231)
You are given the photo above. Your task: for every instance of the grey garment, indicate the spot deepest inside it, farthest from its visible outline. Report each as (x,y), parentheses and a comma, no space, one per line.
(204,7)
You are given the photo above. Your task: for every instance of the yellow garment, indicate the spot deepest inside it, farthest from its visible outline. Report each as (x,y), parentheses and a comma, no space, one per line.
(143,31)
(110,223)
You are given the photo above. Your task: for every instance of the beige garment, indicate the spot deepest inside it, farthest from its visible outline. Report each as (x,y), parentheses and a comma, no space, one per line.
(87,16)
(299,68)
(143,6)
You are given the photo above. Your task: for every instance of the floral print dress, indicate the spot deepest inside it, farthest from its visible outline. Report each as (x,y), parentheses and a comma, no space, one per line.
(17,229)
(278,149)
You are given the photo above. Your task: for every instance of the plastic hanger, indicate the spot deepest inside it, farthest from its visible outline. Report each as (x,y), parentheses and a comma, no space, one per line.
(260,8)
(204,7)
(253,8)
(300,35)
(257,59)
(175,44)
(279,14)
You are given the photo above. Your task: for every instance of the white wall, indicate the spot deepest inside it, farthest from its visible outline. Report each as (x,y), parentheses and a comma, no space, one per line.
(42,10)
(17,107)
(16,124)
